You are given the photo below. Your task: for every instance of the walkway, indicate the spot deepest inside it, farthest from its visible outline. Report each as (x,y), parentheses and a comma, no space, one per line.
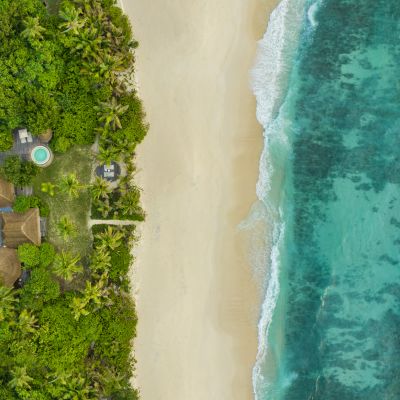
(120,222)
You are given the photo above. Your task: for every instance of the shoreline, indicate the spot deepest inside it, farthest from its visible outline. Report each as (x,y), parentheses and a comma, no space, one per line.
(197,303)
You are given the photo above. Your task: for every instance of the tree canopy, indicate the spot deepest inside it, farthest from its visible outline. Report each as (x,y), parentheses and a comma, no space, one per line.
(67,72)
(66,334)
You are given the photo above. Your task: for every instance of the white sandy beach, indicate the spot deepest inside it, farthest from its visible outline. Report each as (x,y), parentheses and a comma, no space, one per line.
(197,302)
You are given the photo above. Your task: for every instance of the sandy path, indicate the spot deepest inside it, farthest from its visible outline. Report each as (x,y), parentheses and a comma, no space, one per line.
(197,303)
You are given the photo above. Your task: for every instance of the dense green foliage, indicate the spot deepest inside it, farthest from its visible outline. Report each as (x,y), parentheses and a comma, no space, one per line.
(40,288)
(19,172)
(66,334)
(29,255)
(61,71)
(60,331)
(24,203)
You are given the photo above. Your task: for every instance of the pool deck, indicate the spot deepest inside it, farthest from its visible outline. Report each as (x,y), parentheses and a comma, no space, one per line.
(20,149)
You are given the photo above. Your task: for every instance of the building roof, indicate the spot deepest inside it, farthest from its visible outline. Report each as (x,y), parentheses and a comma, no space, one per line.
(46,136)
(7,193)
(19,228)
(10,267)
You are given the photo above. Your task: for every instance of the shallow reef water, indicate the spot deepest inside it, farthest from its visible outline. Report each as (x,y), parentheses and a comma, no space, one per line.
(335,328)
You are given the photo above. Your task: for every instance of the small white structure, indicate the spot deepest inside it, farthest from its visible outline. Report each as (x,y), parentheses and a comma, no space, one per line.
(109,171)
(25,136)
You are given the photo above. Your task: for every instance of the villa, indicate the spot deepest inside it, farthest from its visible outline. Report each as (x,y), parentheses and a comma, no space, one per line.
(7,194)
(20,228)
(15,229)
(10,267)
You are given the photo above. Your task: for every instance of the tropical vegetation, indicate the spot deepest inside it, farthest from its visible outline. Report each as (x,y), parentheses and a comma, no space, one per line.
(66,330)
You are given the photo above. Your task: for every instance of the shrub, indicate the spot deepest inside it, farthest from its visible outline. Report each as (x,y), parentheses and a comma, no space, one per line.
(47,254)
(29,255)
(19,172)
(65,342)
(125,394)
(120,262)
(41,111)
(119,328)
(129,206)
(6,139)
(7,393)
(62,144)
(98,228)
(39,289)
(24,203)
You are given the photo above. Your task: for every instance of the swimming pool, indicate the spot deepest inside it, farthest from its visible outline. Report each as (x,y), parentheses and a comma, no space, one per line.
(41,155)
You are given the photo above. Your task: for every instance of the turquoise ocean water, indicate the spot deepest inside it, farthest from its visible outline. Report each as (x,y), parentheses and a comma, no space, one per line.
(327,82)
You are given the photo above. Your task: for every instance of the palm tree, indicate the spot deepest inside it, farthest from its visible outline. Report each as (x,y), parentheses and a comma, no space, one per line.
(70,185)
(108,155)
(73,20)
(49,188)
(129,205)
(101,260)
(59,376)
(20,378)
(124,184)
(79,307)
(78,388)
(93,293)
(97,293)
(103,207)
(70,387)
(108,64)
(66,265)
(66,228)
(100,189)
(109,378)
(27,322)
(104,66)
(7,302)
(109,113)
(87,43)
(123,144)
(111,238)
(33,31)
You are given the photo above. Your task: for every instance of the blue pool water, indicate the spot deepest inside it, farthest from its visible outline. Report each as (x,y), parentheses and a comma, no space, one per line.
(40,155)
(327,82)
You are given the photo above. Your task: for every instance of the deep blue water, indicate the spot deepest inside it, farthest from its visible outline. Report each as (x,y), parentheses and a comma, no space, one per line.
(333,146)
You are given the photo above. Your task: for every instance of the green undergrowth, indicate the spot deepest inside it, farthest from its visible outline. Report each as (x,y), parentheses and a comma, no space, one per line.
(79,162)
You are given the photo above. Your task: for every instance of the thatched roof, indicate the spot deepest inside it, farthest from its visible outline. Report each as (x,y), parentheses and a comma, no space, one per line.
(19,228)
(46,136)
(10,267)
(7,193)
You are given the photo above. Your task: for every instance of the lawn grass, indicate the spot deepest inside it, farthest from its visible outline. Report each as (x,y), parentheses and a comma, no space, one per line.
(53,6)
(79,161)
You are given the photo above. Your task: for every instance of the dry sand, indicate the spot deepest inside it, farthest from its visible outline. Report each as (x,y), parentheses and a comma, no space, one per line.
(196,300)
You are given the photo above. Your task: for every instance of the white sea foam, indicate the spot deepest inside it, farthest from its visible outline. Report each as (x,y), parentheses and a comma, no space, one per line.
(258,237)
(312,13)
(274,58)
(267,309)
(270,75)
